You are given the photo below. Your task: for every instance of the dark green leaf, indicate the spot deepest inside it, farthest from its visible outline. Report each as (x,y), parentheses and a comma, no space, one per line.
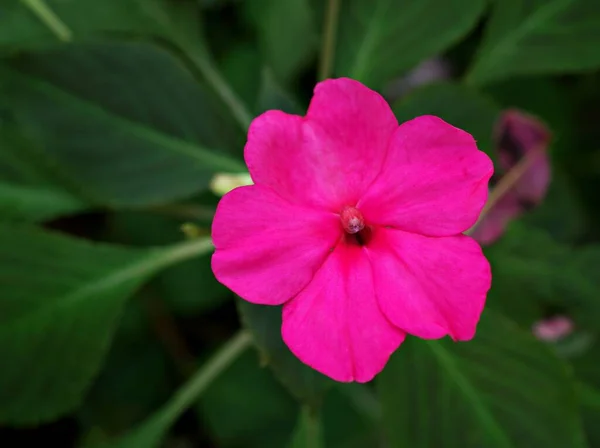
(27,191)
(61,300)
(526,37)
(380,39)
(124,121)
(188,288)
(502,389)
(264,323)
(532,272)
(287,34)
(308,432)
(476,114)
(247,407)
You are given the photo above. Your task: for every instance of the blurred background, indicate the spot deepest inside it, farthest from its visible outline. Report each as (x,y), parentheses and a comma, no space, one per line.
(116,115)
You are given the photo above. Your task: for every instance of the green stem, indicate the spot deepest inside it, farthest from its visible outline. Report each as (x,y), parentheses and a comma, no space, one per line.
(51,20)
(214,78)
(188,394)
(180,252)
(329,37)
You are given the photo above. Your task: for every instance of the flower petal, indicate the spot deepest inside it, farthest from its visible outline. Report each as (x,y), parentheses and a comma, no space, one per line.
(434,180)
(430,287)
(267,250)
(335,325)
(329,158)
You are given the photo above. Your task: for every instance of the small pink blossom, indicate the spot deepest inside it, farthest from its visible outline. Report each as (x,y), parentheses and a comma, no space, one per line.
(553,329)
(354,224)
(517,135)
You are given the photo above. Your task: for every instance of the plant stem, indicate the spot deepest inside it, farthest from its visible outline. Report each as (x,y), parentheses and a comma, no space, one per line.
(214,78)
(199,382)
(329,37)
(51,20)
(507,182)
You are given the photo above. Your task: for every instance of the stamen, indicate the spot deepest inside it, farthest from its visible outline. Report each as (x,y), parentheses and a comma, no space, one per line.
(352,220)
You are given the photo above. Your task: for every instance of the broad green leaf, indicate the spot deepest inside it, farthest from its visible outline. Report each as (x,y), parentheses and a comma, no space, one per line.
(502,389)
(125,121)
(532,272)
(117,398)
(61,298)
(151,432)
(28,24)
(458,105)
(246,406)
(380,39)
(264,323)
(188,288)
(25,203)
(287,34)
(308,432)
(27,191)
(527,37)
(272,96)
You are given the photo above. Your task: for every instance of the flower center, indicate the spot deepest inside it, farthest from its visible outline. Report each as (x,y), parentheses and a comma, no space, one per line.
(352,220)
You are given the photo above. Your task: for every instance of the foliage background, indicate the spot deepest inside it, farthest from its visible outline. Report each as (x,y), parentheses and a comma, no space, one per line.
(114,117)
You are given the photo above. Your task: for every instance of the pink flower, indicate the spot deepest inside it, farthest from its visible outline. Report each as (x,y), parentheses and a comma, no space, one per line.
(354,224)
(553,329)
(517,135)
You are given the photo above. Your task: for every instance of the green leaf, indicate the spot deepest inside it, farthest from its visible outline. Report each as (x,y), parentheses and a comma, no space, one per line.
(189,287)
(61,301)
(264,323)
(380,39)
(117,398)
(527,37)
(151,432)
(308,432)
(287,34)
(477,113)
(25,203)
(125,121)
(27,192)
(532,272)
(233,408)
(502,389)
(21,26)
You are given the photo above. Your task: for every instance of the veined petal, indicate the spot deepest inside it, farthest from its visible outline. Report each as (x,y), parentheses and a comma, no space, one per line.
(328,158)
(267,249)
(434,181)
(430,287)
(335,325)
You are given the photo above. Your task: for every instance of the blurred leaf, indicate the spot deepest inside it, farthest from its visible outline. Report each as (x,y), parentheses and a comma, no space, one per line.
(189,287)
(124,120)
(19,26)
(27,191)
(117,398)
(287,34)
(590,409)
(247,407)
(61,300)
(308,432)
(380,39)
(151,432)
(264,323)
(273,96)
(502,389)
(526,37)
(532,272)
(24,203)
(348,422)
(241,67)
(477,113)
